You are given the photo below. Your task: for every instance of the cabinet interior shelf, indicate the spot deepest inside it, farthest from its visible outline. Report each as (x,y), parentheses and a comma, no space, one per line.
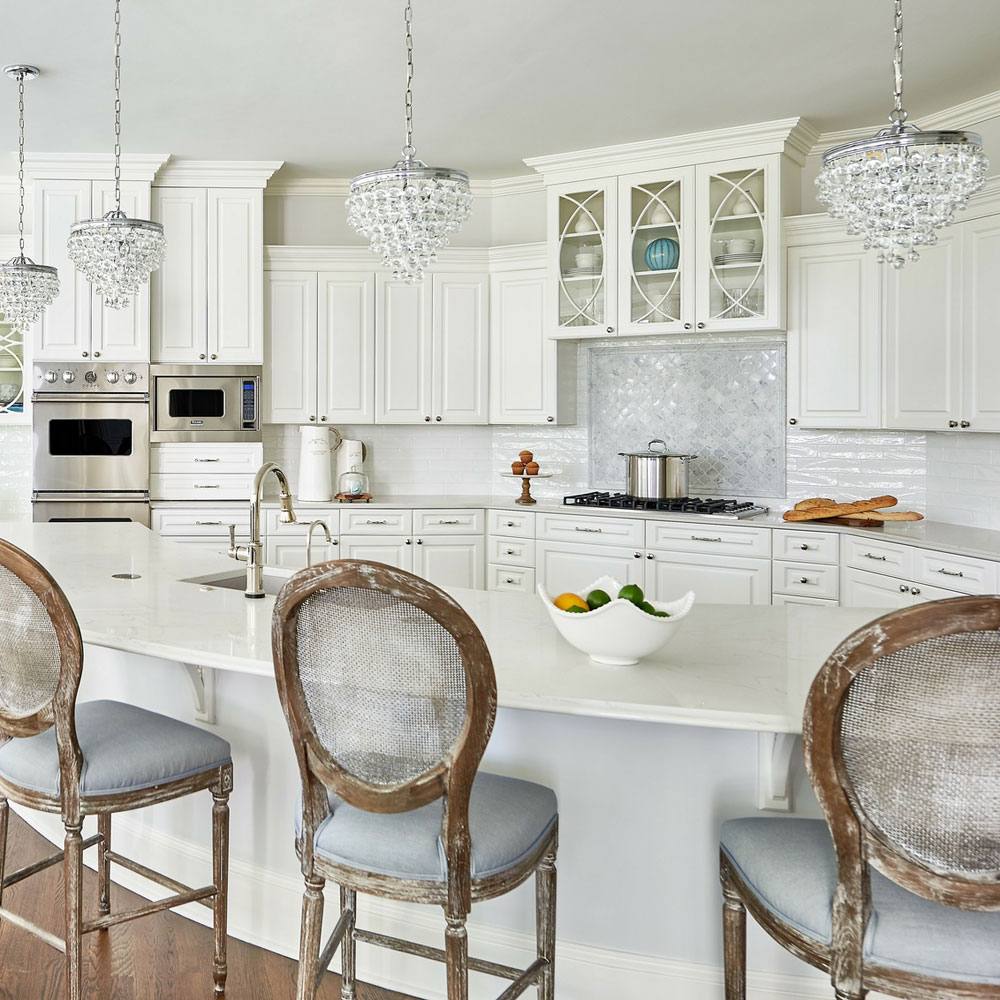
(737,267)
(656,274)
(596,276)
(583,236)
(655,225)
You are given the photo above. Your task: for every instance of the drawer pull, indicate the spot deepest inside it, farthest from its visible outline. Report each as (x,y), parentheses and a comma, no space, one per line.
(871,555)
(704,538)
(207,523)
(804,579)
(951,572)
(510,524)
(208,459)
(208,486)
(371,521)
(914,590)
(510,579)
(589,531)
(509,552)
(450,522)
(903,589)
(804,547)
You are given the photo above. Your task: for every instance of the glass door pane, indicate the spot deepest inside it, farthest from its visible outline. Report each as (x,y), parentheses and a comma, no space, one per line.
(655,259)
(737,250)
(12,388)
(583,259)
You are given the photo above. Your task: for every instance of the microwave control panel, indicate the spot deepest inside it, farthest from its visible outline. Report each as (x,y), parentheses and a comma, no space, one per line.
(249,404)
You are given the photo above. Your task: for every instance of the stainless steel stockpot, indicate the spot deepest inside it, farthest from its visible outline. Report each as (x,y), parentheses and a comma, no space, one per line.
(656,474)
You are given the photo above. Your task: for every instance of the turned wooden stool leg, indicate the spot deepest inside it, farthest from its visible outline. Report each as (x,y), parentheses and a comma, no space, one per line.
(734,944)
(309,938)
(456,946)
(348,947)
(545,924)
(220,879)
(103,864)
(73,891)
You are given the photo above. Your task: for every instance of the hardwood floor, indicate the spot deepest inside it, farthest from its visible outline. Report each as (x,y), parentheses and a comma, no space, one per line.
(163,957)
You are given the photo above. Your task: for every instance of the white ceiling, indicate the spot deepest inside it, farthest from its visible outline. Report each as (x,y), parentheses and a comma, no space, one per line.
(317,83)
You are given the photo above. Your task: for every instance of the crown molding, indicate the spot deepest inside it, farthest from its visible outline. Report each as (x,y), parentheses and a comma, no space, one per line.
(517,256)
(322,258)
(792,136)
(217,173)
(960,116)
(92,166)
(339,187)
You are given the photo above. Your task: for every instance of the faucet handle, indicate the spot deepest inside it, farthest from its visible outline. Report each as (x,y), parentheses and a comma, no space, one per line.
(232,541)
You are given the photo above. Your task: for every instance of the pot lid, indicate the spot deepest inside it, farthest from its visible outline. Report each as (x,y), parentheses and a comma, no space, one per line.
(655,452)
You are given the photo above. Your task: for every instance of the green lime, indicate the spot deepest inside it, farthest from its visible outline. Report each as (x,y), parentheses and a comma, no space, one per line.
(598,598)
(576,610)
(648,608)
(632,592)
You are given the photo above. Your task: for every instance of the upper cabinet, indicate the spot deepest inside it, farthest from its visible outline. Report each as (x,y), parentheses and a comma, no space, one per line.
(981,324)
(686,240)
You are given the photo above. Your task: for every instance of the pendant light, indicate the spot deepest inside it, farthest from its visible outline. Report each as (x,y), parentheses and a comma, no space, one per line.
(898,187)
(26,288)
(115,253)
(408,211)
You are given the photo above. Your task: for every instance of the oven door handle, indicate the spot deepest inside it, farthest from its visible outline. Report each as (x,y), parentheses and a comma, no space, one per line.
(90,397)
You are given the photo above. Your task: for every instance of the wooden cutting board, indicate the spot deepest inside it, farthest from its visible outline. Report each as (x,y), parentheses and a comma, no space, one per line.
(820,512)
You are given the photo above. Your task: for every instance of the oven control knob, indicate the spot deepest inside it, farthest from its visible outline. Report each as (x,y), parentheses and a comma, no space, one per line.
(69,377)
(90,377)
(112,377)
(130,378)
(51,376)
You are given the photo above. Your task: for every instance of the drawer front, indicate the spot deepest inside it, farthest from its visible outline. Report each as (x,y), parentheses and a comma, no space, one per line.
(376,522)
(877,556)
(957,573)
(207,486)
(204,521)
(807,546)
(300,528)
(448,522)
(590,530)
(517,579)
(517,524)
(512,551)
(560,567)
(204,457)
(805,579)
(817,601)
(393,550)
(712,539)
(714,579)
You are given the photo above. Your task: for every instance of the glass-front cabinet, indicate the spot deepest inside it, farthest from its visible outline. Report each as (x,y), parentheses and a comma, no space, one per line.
(13,385)
(582,217)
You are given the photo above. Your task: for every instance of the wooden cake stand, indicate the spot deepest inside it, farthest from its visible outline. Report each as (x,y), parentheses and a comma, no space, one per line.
(526,497)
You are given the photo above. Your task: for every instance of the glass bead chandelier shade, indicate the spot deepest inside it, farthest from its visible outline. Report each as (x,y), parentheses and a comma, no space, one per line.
(408,211)
(899,187)
(26,288)
(115,253)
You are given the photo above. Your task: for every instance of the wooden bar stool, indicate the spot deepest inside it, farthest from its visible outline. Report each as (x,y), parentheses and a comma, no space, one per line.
(902,743)
(390,697)
(97,758)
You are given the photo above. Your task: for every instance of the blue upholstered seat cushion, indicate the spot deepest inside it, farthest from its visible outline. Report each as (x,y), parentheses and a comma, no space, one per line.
(124,748)
(790,866)
(508,820)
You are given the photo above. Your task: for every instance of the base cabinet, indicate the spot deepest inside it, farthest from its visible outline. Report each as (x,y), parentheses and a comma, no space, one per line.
(714,579)
(861,589)
(451,561)
(561,567)
(393,550)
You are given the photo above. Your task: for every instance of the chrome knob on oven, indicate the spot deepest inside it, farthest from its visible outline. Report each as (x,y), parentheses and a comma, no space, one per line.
(112,377)
(130,378)
(51,376)
(69,377)
(90,377)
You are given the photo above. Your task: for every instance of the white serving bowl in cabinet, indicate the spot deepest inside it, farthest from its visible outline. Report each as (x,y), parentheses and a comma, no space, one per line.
(618,634)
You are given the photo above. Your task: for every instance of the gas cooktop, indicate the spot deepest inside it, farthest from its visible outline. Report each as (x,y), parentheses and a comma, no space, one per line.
(734,510)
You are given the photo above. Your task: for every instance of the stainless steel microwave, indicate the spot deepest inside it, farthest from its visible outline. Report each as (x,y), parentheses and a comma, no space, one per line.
(204,403)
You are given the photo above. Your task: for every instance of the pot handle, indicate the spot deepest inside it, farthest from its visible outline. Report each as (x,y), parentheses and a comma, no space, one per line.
(658,441)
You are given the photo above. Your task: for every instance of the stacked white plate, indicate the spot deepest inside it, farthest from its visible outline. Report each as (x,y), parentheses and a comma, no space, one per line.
(736,258)
(582,272)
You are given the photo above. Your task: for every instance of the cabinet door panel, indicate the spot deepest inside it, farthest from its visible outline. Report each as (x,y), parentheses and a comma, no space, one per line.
(860,589)
(714,579)
(834,340)
(235,275)
(460,350)
(122,334)
(63,333)
(981,405)
(290,383)
(562,567)
(451,561)
(346,356)
(923,348)
(403,352)
(179,315)
(393,550)
(290,553)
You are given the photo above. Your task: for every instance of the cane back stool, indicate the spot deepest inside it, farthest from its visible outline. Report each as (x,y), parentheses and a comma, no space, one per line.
(95,758)
(902,745)
(390,697)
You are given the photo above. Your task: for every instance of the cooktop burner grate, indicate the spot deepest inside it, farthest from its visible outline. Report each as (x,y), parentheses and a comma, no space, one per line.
(680,505)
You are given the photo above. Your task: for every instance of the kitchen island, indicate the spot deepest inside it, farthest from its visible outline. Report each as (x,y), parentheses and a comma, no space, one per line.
(646,760)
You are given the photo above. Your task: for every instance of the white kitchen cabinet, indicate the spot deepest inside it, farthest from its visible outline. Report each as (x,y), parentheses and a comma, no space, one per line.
(562,566)
(714,579)
(834,336)
(862,589)
(923,338)
(801,579)
(404,367)
(451,560)
(513,579)
(179,287)
(779,599)
(291,347)
(981,325)
(460,348)
(393,550)
(532,376)
(290,552)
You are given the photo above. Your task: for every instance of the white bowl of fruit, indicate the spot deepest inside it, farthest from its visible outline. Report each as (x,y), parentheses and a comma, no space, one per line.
(615,624)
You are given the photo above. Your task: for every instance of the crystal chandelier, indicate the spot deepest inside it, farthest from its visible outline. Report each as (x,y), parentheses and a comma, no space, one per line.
(26,288)
(897,188)
(115,253)
(407,211)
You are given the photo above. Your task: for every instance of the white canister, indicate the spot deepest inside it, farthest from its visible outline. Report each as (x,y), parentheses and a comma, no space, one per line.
(315,475)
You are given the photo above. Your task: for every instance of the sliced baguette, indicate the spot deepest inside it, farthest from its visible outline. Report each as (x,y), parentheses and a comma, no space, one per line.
(840,509)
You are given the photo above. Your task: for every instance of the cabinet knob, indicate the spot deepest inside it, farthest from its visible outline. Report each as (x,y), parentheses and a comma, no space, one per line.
(409,541)
(804,547)
(649,555)
(420,541)
(86,354)
(97,354)
(215,357)
(792,421)
(427,420)
(323,417)
(201,357)
(438,419)
(803,579)
(550,420)
(687,326)
(914,591)
(611,329)
(903,589)
(636,555)
(312,416)
(952,423)
(965,423)
(701,326)
(509,579)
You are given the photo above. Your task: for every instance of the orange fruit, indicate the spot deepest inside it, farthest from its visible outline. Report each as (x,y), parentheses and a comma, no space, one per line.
(571,602)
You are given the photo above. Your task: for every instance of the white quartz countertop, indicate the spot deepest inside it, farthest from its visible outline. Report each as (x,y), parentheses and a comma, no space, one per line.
(729,666)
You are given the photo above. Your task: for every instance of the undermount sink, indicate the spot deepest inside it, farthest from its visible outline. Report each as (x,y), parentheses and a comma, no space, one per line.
(274,580)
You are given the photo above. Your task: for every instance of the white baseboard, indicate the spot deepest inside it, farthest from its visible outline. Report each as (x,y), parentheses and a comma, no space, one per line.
(264,911)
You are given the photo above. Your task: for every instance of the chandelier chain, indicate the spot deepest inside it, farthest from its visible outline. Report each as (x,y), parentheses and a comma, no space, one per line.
(118,106)
(408,150)
(20,161)
(898,115)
